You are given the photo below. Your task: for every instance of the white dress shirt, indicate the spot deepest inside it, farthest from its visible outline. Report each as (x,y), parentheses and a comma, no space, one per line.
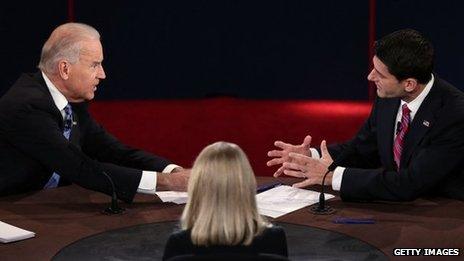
(147,183)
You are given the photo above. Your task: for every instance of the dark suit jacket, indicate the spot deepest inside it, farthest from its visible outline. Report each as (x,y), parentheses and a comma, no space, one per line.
(432,161)
(271,241)
(32,146)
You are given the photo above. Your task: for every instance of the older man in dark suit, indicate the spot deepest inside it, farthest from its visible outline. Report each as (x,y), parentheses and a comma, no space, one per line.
(48,138)
(411,145)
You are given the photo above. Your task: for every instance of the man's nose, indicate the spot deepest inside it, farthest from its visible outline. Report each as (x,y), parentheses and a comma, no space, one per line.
(101,73)
(371,76)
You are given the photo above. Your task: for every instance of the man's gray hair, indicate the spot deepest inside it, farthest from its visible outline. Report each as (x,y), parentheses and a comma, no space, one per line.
(65,42)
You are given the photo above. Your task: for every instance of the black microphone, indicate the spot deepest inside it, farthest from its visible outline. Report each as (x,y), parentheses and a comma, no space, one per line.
(321,208)
(114,207)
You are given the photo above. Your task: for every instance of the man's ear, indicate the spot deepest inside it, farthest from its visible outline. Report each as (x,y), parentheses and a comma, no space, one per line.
(63,69)
(410,84)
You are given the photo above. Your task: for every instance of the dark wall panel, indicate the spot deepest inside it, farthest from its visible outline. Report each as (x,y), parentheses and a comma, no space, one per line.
(252,49)
(440,21)
(24,27)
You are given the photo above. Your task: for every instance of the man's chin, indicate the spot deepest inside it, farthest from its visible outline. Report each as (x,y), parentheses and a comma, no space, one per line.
(380,94)
(386,95)
(90,96)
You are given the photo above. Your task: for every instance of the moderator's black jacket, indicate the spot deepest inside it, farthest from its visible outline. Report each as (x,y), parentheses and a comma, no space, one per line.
(271,241)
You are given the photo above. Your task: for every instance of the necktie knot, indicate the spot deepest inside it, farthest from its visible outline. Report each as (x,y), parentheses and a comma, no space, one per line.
(406,111)
(67,117)
(68,109)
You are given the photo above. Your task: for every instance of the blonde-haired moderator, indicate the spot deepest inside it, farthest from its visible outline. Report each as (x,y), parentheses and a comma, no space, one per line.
(221,209)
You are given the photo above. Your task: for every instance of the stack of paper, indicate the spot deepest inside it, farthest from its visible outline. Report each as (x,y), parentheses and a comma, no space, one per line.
(9,233)
(281,200)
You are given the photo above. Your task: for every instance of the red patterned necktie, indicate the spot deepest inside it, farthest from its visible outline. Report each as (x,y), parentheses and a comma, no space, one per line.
(398,144)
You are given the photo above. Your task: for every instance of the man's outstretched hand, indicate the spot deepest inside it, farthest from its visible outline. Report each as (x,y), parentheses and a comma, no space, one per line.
(282,155)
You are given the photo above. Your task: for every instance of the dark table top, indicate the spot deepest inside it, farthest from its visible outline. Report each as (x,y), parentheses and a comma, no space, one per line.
(66,214)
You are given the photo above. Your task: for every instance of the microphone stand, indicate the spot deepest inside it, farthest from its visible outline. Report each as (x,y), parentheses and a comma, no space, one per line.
(114,207)
(321,208)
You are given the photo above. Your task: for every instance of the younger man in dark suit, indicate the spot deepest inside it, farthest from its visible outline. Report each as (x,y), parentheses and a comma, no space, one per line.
(411,145)
(48,138)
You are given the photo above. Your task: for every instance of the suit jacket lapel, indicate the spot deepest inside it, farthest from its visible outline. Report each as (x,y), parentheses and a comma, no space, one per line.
(422,122)
(75,131)
(386,127)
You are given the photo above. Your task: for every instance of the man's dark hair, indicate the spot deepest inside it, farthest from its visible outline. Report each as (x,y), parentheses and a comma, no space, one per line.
(407,54)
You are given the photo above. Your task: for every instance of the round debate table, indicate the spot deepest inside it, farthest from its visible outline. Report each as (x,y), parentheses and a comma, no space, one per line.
(69,215)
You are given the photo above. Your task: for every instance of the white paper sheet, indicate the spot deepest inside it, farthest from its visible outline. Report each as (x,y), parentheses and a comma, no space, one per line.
(173,196)
(284,199)
(274,203)
(9,233)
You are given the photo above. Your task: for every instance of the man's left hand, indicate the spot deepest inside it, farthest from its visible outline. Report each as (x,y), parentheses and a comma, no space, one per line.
(312,169)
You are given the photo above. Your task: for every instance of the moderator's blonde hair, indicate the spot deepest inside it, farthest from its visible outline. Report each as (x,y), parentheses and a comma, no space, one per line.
(65,42)
(221,209)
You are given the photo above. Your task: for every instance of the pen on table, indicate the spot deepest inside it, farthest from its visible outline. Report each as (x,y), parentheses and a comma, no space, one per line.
(344,220)
(268,186)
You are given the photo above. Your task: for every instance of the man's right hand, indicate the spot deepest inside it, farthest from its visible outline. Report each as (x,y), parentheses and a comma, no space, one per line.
(176,181)
(281,156)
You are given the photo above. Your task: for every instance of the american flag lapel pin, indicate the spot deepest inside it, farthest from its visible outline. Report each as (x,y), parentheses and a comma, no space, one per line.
(426,123)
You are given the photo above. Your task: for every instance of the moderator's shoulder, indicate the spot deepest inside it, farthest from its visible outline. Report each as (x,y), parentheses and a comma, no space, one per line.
(179,235)
(275,230)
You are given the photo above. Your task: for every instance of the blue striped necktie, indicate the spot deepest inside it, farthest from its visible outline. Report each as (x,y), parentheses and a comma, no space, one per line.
(55,179)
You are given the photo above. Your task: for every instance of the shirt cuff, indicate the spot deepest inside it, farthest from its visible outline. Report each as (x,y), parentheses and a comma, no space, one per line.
(147,183)
(337,178)
(314,153)
(169,168)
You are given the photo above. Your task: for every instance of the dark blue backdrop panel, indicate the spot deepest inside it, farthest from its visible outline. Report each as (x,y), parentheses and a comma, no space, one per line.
(440,21)
(253,49)
(24,27)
